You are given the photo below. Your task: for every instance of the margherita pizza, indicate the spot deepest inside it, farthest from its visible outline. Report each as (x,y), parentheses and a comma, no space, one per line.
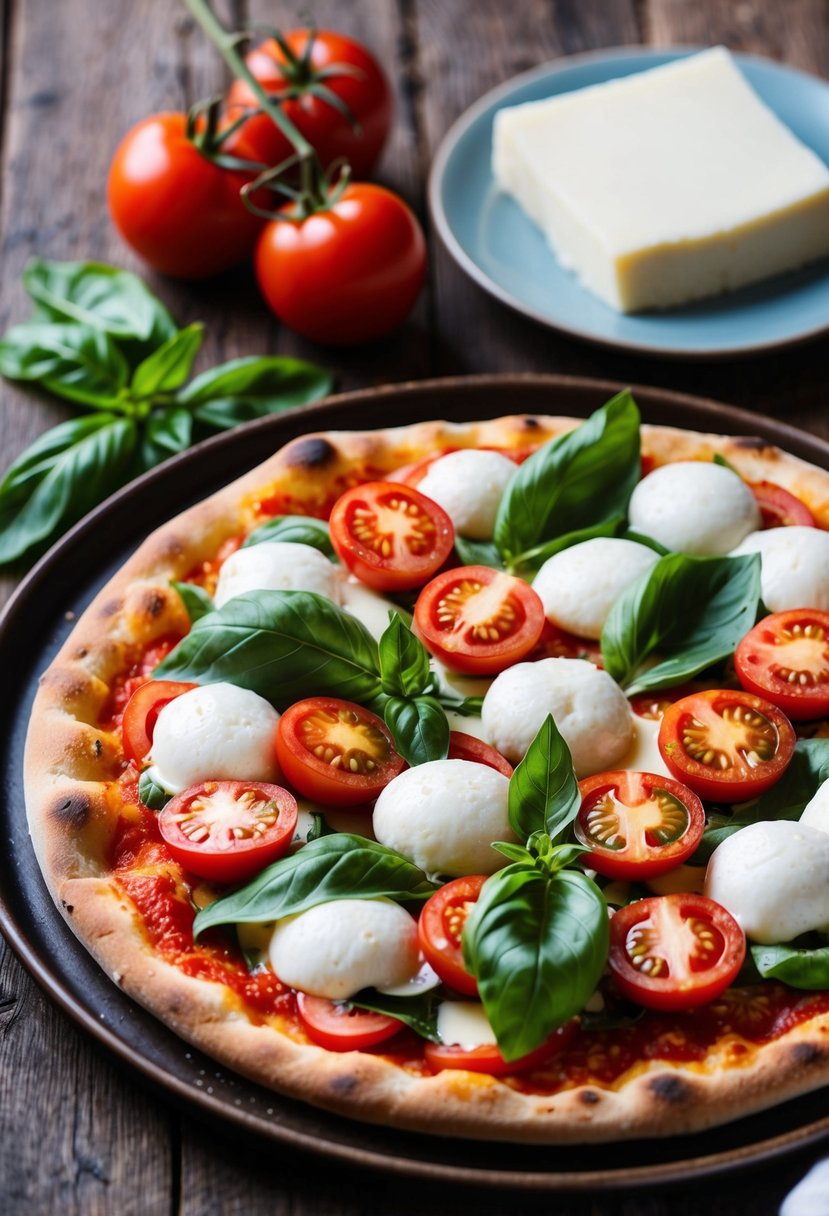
(467,778)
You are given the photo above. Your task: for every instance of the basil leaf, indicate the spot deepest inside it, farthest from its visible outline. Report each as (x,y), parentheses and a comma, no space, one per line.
(296,529)
(285,645)
(196,600)
(515,852)
(532,561)
(342,866)
(573,482)
(166,433)
(797,967)
(691,610)
(151,792)
(543,790)
(537,945)
(477,553)
(104,297)
(249,388)
(641,539)
(419,1012)
(60,477)
(169,365)
(469,707)
(404,660)
(419,727)
(73,361)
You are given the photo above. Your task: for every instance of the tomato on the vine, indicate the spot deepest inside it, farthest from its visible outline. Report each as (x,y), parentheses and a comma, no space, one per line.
(440,929)
(785,658)
(345,113)
(488,1058)
(141,714)
(349,271)
(338,1026)
(175,207)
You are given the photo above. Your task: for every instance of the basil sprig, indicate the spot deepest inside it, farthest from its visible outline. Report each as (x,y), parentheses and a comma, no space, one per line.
(195,599)
(101,340)
(798,966)
(340,866)
(151,792)
(296,529)
(691,611)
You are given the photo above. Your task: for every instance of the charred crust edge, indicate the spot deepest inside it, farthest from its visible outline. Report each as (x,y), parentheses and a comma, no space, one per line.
(72,810)
(670,1088)
(312,452)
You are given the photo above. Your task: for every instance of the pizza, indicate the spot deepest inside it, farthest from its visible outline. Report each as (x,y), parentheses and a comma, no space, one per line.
(265,774)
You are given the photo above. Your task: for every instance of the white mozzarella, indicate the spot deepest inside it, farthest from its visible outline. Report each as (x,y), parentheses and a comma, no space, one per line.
(794,569)
(423,981)
(444,815)
(469,486)
(277,566)
(695,507)
(578,585)
(773,878)
(464,1024)
(589,709)
(371,609)
(215,733)
(643,755)
(816,811)
(337,948)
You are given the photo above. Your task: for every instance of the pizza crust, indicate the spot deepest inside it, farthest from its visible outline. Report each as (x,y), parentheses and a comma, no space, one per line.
(70,765)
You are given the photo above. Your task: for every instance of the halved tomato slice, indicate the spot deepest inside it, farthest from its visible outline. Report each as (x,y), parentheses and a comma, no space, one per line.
(675,951)
(440,929)
(637,825)
(726,744)
(488,1059)
(652,705)
(141,714)
(478,620)
(338,1026)
(336,752)
(785,658)
(390,535)
(467,747)
(227,831)
(779,508)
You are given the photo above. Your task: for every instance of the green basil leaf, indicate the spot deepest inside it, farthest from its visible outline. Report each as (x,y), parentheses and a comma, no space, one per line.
(419,727)
(249,388)
(576,481)
(73,361)
(537,945)
(166,433)
(151,792)
(692,611)
(404,660)
(532,561)
(342,866)
(515,852)
(285,645)
(104,297)
(469,707)
(419,1012)
(726,464)
(478,553)
(797,967)
(641,539)
(64,473)
(543,790)
(169,365)
(297,530)
(196,600)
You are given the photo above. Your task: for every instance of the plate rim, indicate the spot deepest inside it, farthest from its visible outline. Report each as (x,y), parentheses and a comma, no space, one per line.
(474,271)
(201,1104)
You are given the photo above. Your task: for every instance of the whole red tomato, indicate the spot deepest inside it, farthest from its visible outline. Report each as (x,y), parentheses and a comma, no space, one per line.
(177,209)
(345,274)
(356,131)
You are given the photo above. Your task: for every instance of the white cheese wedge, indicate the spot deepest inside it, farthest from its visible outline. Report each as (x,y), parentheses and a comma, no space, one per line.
(469,485)
(694,506)
(578,585)
(795,567)
(666,186)
(464,1024)
(277,566)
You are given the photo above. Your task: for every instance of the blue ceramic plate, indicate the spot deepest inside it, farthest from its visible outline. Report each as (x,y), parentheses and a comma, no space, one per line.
(501,249)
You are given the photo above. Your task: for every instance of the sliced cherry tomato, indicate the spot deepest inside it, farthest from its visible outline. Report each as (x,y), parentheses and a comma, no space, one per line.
(726,744)
(478,620)
(467,747)
(176,208)
(141,714)
(440,929)
(227,831)
(652,705)
(391,536)
(440,1056)
(785,658)
(336,752)
(556,643)
(675,951)
(637,825)
(779,508)
(338,1026)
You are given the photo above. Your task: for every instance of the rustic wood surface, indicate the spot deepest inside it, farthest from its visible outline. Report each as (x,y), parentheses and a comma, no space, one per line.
(76,1135)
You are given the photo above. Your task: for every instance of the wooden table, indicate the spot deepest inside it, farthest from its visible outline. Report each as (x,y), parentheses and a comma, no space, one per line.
(77,1136)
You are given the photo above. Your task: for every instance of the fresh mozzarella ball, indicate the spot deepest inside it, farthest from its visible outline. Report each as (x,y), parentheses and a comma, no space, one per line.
(464,1024)
(773,878)
(578,585)
(444,815)
(215,733)
(338,948)
(694,507)
(469,486)
(277,566)
(816,811)
(588,707)
(795,567)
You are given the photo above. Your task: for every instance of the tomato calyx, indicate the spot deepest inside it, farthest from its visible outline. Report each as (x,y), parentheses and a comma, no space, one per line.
(287,74)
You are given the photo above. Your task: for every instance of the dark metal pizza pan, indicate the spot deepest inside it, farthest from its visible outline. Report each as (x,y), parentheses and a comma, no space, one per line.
(34,625)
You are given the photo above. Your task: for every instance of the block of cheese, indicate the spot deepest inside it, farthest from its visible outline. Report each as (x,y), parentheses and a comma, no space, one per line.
(666,186)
